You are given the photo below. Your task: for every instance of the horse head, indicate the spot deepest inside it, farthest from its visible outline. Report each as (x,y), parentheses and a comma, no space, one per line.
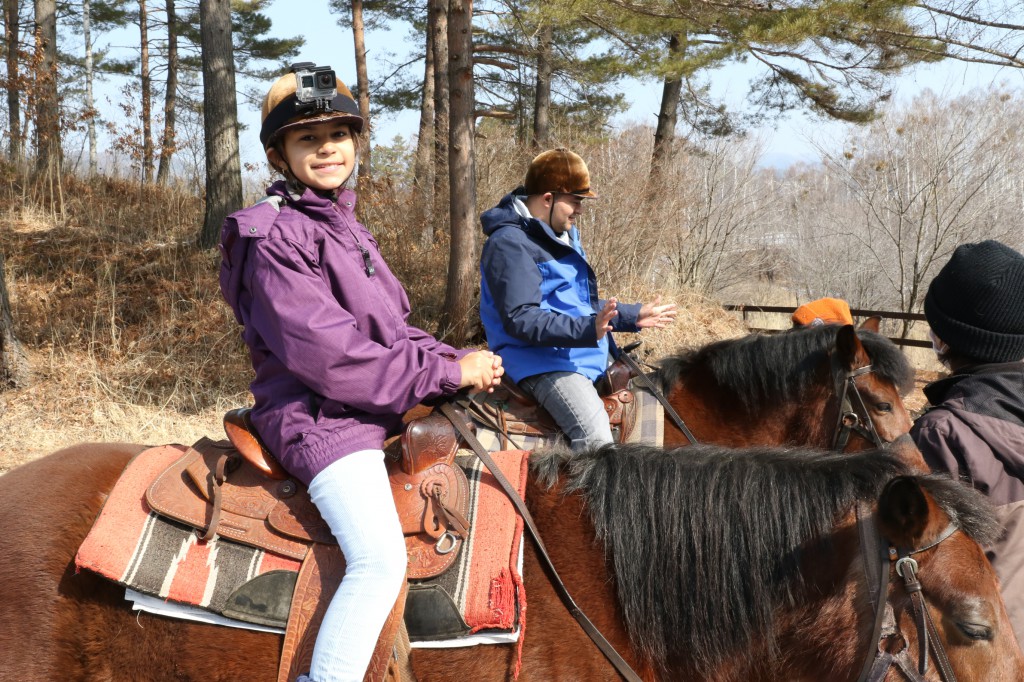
(942,590)
(870,403)
(799,387)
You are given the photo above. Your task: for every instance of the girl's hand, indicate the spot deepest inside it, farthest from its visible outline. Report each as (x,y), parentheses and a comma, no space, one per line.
(481,370)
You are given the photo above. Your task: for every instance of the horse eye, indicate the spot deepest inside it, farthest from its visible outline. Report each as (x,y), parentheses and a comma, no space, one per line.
(884,407)
(975,631)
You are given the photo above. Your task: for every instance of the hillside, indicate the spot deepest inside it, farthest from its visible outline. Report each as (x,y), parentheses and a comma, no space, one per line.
(126,333)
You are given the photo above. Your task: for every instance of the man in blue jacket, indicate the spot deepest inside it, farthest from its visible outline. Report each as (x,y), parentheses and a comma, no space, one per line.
(539,302)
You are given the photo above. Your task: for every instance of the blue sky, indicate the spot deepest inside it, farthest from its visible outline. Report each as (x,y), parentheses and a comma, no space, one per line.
(787,140)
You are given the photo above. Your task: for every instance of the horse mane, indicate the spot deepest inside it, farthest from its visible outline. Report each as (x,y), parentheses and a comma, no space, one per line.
(706,542)
(759,368)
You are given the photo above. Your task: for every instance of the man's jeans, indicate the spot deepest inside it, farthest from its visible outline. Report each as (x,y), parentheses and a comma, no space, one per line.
(572,401)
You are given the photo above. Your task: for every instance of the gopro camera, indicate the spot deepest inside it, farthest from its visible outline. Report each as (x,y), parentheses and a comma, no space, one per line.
(315,86)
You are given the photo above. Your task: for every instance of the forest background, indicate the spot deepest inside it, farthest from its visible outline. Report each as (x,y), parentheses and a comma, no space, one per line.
(121,160)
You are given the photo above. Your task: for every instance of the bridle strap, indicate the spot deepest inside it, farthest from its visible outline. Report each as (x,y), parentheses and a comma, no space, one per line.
(848,420)
(602,643)
(906,568)
(876,564)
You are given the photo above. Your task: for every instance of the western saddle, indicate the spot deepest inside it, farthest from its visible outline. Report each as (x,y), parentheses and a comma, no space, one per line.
(238,490)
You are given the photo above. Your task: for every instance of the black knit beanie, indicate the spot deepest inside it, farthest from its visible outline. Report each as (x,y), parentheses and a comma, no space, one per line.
(976,302)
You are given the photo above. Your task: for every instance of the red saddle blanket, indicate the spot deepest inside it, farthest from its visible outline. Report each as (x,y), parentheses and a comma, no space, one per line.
(135,547)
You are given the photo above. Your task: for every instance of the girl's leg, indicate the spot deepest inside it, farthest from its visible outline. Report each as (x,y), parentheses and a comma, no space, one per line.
(354,498)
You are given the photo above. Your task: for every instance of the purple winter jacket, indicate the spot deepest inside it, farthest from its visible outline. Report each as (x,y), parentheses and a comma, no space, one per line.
(325,322)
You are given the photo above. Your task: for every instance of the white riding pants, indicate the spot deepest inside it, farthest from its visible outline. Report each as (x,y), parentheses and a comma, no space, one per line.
(354,498)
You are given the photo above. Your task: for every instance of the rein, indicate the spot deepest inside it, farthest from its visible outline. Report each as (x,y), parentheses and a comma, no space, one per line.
(849,421)
(602,643)
(649,385)
(877,559)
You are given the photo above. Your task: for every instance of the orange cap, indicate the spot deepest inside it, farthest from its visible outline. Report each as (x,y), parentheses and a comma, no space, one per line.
(823,311)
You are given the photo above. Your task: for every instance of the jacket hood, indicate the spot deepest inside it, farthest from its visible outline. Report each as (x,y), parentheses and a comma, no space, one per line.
(256,222)
(511,211)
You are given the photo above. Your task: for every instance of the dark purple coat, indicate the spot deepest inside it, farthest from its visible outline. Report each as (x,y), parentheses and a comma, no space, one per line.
(325,322)
(975,430)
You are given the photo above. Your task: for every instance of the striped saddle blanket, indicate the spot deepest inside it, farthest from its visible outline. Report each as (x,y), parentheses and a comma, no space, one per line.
(152,555)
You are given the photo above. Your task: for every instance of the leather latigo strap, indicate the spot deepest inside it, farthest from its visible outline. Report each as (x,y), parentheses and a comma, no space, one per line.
(459,421)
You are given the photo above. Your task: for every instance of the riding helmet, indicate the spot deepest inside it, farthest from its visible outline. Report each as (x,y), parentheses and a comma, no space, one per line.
(558,171)
(282,108)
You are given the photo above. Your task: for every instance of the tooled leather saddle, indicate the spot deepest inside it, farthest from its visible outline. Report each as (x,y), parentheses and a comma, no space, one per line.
(237,490)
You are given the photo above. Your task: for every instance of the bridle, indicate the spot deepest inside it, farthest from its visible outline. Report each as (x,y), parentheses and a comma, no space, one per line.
(849,420)
(879,561)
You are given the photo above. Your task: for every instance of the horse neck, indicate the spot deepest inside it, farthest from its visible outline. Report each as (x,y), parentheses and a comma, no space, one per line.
(565,528)
(715,416)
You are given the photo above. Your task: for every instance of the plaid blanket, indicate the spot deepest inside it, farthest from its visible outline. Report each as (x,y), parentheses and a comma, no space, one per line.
(491,549)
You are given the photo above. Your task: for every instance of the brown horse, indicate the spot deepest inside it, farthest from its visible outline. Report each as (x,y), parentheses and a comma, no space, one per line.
(789,388)
(782,389)
(711,564)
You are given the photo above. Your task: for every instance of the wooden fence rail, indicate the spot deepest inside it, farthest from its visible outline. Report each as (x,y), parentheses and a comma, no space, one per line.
(746,308)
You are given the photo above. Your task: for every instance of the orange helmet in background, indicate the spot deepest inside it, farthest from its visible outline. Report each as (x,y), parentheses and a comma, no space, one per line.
(823,311)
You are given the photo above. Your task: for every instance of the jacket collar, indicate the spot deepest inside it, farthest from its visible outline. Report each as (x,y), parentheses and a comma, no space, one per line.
(938,390)
(315,204)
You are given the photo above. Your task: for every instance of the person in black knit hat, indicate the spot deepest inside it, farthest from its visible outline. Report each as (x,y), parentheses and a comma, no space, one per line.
(974,427)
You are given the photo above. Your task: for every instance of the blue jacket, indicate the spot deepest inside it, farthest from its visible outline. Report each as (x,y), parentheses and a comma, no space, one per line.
(538,297)
(325,320)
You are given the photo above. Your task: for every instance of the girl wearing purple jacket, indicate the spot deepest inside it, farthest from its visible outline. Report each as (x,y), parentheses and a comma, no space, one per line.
(336,362)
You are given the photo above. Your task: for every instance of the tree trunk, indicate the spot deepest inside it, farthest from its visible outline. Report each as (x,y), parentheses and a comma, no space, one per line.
(167,143)
(462,277)
(11,30)
(13,363)
(542,93)
(220,119)
(362,85)
(147,95)
(49,158)
(423,180)
(665,135)
(90,102)
(441,214)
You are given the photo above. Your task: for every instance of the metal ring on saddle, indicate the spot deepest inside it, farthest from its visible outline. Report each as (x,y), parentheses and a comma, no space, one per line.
(453,542)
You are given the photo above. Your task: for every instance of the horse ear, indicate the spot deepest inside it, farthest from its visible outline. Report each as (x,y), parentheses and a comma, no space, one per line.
(903,512)
(851,350)
(872,324)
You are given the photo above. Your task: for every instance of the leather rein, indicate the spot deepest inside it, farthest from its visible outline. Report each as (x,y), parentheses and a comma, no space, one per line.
(878,558)
(602,643)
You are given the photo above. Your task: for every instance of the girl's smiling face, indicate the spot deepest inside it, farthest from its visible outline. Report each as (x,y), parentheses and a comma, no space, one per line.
(321,156)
